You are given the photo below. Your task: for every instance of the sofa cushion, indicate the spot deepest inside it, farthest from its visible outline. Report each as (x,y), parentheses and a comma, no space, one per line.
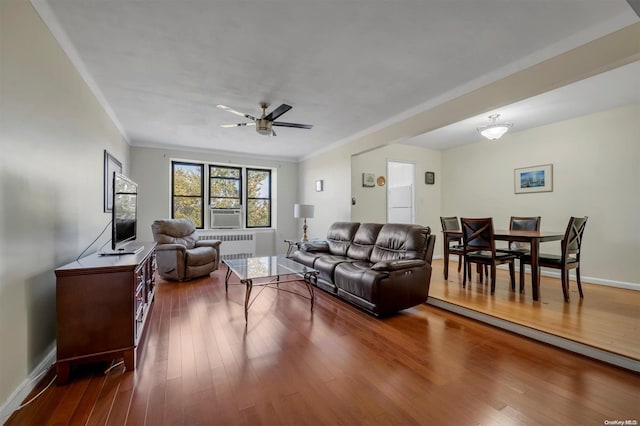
(400,241)
(201,256)
(339,237)
(326,265)
(305,257)
(359,279)
(364,241)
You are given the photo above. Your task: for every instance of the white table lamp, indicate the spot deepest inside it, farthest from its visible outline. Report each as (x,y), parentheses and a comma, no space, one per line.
(303,211)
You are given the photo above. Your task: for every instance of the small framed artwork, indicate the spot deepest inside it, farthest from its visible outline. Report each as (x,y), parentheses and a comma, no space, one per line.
(111,164)
(533,179)
(381,181)
(319,186)
(429,178)
(368,180)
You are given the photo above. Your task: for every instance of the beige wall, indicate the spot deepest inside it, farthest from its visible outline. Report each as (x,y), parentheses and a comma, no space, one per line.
(596,173)
(151,169)
(52,136)
(595,166)
(334,202)
(371,203)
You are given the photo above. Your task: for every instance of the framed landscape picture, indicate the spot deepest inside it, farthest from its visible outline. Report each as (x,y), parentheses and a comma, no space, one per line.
(111,164)
(533,179)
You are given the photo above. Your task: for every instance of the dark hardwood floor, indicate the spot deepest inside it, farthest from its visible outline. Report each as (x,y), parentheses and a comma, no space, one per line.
(336,365)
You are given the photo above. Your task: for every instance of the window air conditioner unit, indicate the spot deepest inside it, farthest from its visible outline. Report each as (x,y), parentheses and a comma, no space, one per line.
(226,218)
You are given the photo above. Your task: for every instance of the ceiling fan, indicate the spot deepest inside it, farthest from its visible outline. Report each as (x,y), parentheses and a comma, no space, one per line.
(264,124)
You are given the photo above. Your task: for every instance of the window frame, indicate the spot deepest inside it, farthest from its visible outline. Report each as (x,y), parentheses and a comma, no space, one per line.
(201,196)
(240,181)
(205,195)
(247,198)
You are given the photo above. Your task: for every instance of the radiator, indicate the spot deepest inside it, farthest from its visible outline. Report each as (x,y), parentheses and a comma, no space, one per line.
(235,245)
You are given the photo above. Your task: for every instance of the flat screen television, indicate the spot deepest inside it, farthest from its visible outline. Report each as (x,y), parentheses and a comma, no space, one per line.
(124,216)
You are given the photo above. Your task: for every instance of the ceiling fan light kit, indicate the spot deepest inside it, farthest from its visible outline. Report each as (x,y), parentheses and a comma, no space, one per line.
(494,130)
(264,125)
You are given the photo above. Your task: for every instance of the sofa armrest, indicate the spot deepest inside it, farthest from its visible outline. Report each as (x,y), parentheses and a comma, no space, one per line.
(315,246)
(209,243)
(213,244)
(395,265)
(171,247)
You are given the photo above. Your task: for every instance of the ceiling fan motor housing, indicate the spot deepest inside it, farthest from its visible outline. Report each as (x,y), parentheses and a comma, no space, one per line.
(263,126)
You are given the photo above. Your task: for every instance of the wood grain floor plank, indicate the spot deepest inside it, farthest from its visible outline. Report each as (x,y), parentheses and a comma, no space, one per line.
(106,397)
(68,399)
(607,318)
(122,399)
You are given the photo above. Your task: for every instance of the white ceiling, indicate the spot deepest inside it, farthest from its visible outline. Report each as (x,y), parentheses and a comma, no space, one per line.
(346,66)
(602,92)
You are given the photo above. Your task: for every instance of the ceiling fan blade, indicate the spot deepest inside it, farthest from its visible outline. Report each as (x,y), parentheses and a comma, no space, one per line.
(233,111)
(238,125)
(296,125)
(278,112)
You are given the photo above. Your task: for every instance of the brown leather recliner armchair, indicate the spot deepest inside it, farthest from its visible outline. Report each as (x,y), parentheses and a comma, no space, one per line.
(180,255)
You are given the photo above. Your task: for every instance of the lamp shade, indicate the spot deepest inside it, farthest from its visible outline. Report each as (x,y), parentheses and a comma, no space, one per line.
(495,130)
(303,211)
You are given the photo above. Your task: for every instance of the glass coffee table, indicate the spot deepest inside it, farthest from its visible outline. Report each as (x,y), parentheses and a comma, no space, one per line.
(268,271)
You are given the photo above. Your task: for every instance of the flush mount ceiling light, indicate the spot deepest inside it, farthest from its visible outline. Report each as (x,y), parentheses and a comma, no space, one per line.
(494,130)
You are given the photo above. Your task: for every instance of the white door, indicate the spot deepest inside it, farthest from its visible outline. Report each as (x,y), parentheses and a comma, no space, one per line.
(400,192)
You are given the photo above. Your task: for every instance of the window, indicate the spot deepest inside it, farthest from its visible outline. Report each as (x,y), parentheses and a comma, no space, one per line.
(229,188)
(187,192)
(258,198)
(225,187)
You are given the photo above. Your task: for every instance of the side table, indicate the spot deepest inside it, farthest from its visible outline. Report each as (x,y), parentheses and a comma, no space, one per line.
(293,243)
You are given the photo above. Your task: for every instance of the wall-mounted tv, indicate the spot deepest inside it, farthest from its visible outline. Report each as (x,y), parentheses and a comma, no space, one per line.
(124,216)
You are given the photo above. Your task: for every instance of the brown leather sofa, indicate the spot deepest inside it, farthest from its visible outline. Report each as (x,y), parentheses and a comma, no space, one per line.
(180,255)
(381,268)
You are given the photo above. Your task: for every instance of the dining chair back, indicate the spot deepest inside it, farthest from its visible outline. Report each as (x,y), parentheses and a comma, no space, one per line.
(480,248)
(523,223)
(451,224)
(570,248)
(518,248)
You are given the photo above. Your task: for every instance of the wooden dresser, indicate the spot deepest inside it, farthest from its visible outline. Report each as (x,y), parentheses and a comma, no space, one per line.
(102,307)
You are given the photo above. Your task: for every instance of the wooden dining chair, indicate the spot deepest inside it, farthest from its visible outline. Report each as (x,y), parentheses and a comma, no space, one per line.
(480,248)
(570,248)
(451,224)
(520,249)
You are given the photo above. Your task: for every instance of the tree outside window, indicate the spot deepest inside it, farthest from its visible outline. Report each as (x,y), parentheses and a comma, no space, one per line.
(225,187)
(188,192)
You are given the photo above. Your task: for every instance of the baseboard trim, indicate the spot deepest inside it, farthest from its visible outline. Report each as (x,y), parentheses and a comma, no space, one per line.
(556,274)
(541,336)
(27,385)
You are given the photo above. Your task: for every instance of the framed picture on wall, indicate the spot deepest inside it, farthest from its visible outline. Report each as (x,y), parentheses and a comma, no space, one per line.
(368,180)
(111,164)
(429,178)
(533,179)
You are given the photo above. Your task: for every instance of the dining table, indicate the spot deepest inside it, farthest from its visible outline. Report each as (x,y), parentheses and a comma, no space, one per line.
(534,238)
